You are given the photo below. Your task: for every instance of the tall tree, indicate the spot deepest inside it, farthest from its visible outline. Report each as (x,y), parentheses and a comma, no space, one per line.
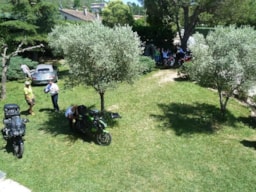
(99,56)
(117,13)
(27,19)
(225,60)
(185,14)
(47,16)
(136,9)
(239,12)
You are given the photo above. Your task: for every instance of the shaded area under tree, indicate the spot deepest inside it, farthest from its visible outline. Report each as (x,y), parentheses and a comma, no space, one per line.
(192,118)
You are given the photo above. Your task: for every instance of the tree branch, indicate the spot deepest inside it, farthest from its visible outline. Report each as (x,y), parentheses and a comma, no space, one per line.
(19,50)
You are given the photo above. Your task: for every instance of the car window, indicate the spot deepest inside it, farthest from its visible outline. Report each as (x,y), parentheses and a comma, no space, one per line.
(43,70)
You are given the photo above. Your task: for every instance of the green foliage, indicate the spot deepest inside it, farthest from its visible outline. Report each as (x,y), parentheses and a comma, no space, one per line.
(98,56)
(204,30)
(160,36)
(136,9)
(77,3)
(188,14)
(15,31)
(47,16)
(14,71)
(225,60)
(117,13)
(147,64)
(237,12)
(140,22)
(23,11)
(27,21)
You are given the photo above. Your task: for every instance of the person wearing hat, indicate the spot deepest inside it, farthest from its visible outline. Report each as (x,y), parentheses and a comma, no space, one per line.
(29,97)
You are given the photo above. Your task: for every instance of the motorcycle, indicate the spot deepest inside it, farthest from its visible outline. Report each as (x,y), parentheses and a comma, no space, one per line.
(14,128)
(181,59)
(91,123)
(177,60)
(169,62)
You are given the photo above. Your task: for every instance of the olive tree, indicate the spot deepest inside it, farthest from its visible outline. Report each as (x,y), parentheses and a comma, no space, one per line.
(98,56)
(225,60)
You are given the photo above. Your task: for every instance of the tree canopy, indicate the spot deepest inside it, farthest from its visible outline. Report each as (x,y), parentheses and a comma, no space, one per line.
(27,21)
(224,60)
(187,14)
(117,13)
(98,56)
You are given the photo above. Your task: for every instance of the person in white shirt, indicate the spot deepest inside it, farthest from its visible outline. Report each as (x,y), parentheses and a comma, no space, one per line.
(71,114)
(53,89)
(26,70)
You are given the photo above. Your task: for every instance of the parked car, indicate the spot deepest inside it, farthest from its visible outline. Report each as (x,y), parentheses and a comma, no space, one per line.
(43,74)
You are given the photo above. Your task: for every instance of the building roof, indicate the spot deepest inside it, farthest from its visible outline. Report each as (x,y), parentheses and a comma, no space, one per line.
(81,15)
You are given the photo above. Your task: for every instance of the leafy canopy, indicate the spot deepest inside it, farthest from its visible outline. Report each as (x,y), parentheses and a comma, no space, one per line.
(225,59)
(117,13)
(187,14)
(27,21)
(99,56)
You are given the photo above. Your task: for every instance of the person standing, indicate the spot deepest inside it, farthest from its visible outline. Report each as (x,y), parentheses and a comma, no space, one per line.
(26,71)
(29,97)
(157,56)
(53,89)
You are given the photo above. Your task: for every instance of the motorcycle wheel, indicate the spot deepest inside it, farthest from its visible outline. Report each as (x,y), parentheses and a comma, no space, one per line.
(103,139)
(18,149)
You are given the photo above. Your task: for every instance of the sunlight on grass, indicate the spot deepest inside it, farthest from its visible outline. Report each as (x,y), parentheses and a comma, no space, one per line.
(168,139)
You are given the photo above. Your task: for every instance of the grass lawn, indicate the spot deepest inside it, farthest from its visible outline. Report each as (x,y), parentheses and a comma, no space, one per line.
(169,139)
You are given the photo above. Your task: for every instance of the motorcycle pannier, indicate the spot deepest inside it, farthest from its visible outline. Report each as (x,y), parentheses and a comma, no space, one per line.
(11,110)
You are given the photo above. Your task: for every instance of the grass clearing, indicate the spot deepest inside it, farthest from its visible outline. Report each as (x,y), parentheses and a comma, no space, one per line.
(168,139)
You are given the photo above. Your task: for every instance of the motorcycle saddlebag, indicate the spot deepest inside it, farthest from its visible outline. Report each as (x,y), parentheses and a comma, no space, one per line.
(11,110)
(15,127)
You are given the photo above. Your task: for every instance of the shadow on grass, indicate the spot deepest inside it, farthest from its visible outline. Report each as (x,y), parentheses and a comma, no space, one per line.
(58,124)
(249,121)
(8,147)
(194,118)
(250,144)
(181,78)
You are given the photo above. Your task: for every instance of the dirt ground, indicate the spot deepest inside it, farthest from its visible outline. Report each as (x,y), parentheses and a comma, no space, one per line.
(166,76)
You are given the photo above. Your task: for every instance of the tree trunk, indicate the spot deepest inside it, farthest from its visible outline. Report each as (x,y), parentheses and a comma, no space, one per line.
(223,103)
(5,62)
(101,101)
(190,21)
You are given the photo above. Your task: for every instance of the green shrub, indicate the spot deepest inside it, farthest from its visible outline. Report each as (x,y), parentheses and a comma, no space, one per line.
(14,71)
(147,64)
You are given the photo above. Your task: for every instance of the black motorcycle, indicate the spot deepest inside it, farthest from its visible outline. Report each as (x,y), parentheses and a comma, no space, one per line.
(14,128)
(91,123)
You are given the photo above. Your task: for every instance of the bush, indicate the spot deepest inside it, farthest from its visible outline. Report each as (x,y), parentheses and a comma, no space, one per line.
(14,71)
(147,64)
